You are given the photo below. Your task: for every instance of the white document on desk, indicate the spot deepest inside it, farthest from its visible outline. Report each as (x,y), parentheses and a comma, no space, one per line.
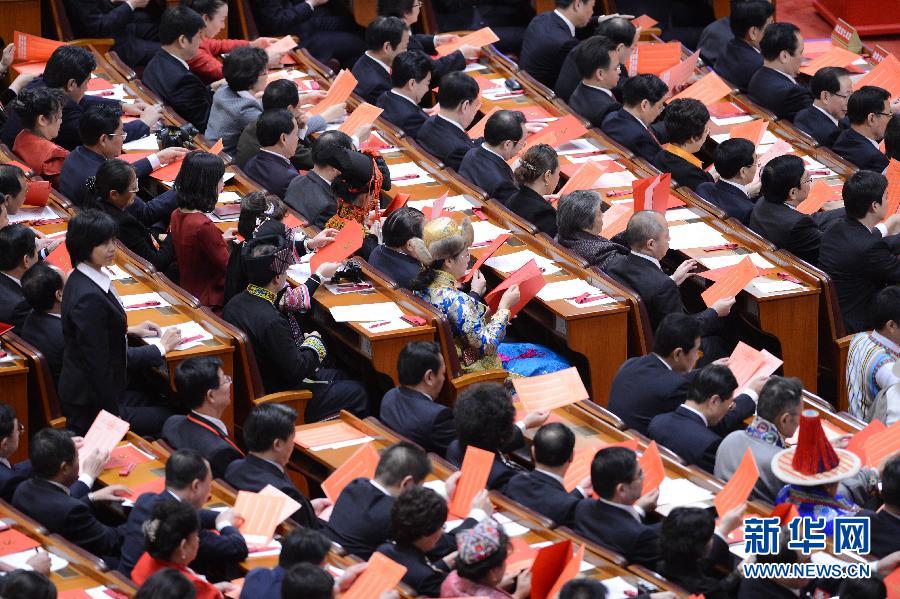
(714,262)
(366,312)
(675,492)
(189,330)
(619,179)
(512,262)
(486,232)
(451,204)
(31,213)
(694,235)
(564,289)
(766,286)
(408,173)
(148,142)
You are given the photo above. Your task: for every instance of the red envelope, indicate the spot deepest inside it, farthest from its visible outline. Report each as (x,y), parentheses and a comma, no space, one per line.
(654,472)
(60,258)
(644,22)
(361,464)
(893,190)
(31,48)
(708,90)
(488,252)
(474,472)
(858,442)
(348,240)
(737,489)
(729,286)
(530,281)
(652,193)
(819,194)
(398,202)
(168,172)
(38,193)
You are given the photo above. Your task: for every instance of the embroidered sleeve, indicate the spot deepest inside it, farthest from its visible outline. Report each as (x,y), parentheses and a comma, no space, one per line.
(468,318)
(295,299)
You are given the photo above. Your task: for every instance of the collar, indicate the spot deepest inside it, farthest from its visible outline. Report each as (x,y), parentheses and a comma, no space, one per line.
(485,147)
(100,279)
(246,94)
(555,477)
(765,431)
(603,89)
(57,485)
(690,409)
(666,364)
(454,123)
(319,177)
(743,188)
(627,508)
(383,66)
(261,292)
(647,258)
(378,486)
(54,314)
(825,112)
(6,463)
(416,391)
(282,158)
(184,64)
(399,95)
(215,421)
(15,280)
(886,342)
(443,279)
(785,75)
(268,461)
(644,125)
(177,498)
(566,21)
(683,154)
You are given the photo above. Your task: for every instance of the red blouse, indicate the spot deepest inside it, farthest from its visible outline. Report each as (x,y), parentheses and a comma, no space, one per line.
(206,63)
(147,566)
(202,256)
(41,155)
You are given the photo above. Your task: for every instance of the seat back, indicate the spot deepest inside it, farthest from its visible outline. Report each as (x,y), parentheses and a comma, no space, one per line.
(246,23)
(61,21)
(43,400)
(112,57)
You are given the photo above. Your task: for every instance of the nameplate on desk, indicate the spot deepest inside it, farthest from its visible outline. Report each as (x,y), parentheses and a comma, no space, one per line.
(560,326)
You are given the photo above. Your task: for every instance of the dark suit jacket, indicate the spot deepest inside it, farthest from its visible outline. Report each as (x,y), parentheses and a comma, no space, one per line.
(644,387)
(402,112)
(618,530)
(659,292)
(860,151)
(775,92)
(445,141)
(592,103)
(253,474)
(532,206)
(216,549)
(70,517)
(263,582)
(137,238)
(861,263)
(569,78)
(885,530)
(543,494)
(248,146)
(361,518)
(402,268)
(136,31)
(729,198)
(751,588)
(683,172)
(371,79)
(625,129)
(13,306)
(311,196)
(11,478)
(738,63)
(179,88)
(791,230)
(44,332)
(281,17)
(545,45)
(455,61)
(685,433)
(424,578)
(816,123)
(184,433)
(82,164)
(419,419)
(489,172)
(275,173)
(701,577)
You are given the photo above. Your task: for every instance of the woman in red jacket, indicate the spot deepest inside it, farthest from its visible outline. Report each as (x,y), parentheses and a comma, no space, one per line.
(207,63)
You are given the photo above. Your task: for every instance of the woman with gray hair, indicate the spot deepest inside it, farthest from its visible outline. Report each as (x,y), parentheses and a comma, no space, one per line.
(537,176)
(580,221)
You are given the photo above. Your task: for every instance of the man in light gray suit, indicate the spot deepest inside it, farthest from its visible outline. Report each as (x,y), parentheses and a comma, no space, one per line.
(311,194)
(235,105)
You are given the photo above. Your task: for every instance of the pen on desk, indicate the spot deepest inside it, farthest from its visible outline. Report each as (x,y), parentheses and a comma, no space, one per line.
(504,95)
(819,172)
(142,305)
(189,339)
(406,177)
(617,193)
(786,277)
(379,324)
(724,246)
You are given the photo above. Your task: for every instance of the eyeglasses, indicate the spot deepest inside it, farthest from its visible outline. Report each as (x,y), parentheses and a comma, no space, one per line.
(226,380)
(21,428)
(844,96)
(417,5)
(135,190)
(117,134)
(884,113)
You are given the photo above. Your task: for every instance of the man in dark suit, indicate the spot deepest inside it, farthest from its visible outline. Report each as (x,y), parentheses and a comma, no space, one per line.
(823,121)
(647,234)
(271,167)
(616,519)
(167,74)
(11,475)
(47,497)
(596,59)
(134,25)
(444,134)
(860,251)
(300,546)
(774,85)
(741,56)
(657,382)
(188,479)
(386,37)
(485,165)
(785,183)
(269,437)
(410,409)
(13,189)
(206,391)
(42,286)
(687,123)
(696,428)
(734,192)
(550,36)
(630,126)
(869,111)
(411,74)
(18,253)
(885,523)
(311,194)
(624,35)
(542,489)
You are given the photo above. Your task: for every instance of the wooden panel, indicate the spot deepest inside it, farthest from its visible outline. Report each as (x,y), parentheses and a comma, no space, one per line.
(19,15)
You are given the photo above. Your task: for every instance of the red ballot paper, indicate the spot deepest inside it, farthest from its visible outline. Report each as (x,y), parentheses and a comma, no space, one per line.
(655,58)
(340,90)
(261,514)
(436,208)
(285,44)
(858,441)
(882,445)
(741,274)
(785,512)
(779,148)
(737,489)
(548,391)
(365,114)
(616,218)
(886,74)
(124,455)
(38,193)
(327,434)
(535,114)
(398,202)
(717,274)
(835,57)
(483,37)
(819,194)
(168,172)
(348,240)
(893,190)
(382,574)
(561,130)
(292,222)
(747,364)
(652,193)
(651,464)
(132,157)
(521,555)
(644,22)
(678,75)
(550,562)
(104,434)
(155,485)
(477,130)
(31,48)
(530,281)
(60,258)
(488,252)
(475,469)
(580,468)
(708,90)
(217,147)
(361,464)
(751,130)
(724,110)
(5,328)
(96,84)
(585,177)
(569,571)
(30,68)
(892,582)
(13,541)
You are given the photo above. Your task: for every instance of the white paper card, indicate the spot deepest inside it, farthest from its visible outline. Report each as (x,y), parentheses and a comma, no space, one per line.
(731,120)
(144,301)
(148,142)
(17,560)
(451,204)
(299,272)
(408,173)
(619,179)
(115,272)
(384,326)
(675,492)
(618,588)
(229,197)
(677,214)
(576,146)
(486,232)
(31,213)
(512,262)
(564,289)
(189,330)
(768,286)
(694,235)
(366,312)
(438,486)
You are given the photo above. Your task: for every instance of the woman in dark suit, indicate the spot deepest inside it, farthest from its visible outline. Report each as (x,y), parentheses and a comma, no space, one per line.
(580,224)
(537,176)
(112,190)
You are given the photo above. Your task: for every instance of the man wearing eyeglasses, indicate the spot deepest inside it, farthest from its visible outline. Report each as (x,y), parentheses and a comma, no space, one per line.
(823,121)
(869,111)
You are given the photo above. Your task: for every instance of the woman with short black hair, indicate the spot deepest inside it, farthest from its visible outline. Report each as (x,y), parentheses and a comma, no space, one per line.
(40,112)
(537,176)
(394,256)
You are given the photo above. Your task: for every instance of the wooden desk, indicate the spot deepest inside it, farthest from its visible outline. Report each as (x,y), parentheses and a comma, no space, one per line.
(14,392)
